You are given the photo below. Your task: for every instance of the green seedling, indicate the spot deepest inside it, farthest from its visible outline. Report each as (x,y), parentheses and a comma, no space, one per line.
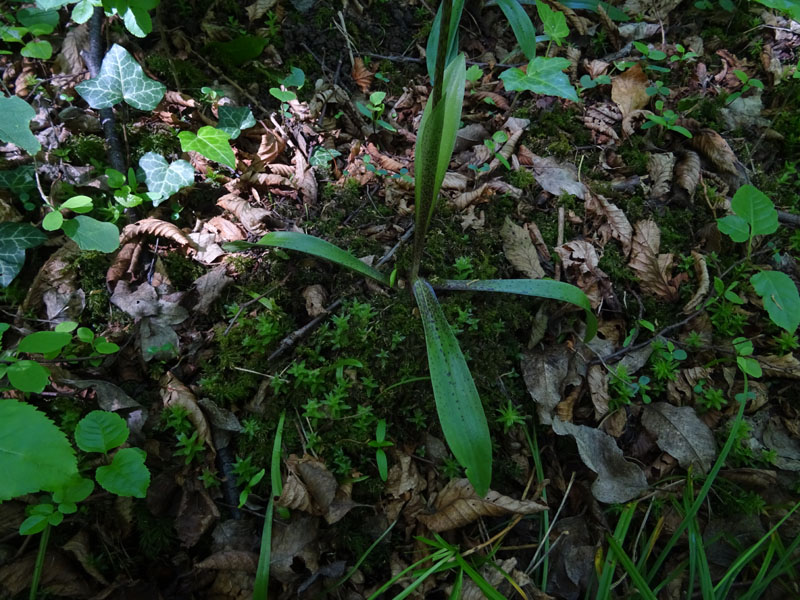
(658,88)
(748,83)
(296,79)
(509,416)
(667,119)
(374,110)
(190,447)
(587,83)
(652,55)
(682,55)
(87,232)
(379,443)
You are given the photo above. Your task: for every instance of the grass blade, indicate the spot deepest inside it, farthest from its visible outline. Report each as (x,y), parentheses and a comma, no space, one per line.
(630,569)
(457,402)
(308,244)
(540,288)
(261,585)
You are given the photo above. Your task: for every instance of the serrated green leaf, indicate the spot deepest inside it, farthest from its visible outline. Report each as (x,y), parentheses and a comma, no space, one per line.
(232,119)
(164,179)
(15,124)
(753,205)
(544,76)
(101,431)
(72,490)
(35,454)
(91,234)
(37,49)
(780,297)
(211,143)
(314,246)
(121,78)
(457,402)
(734,227)
(15,238)
(521,25)
(43,342)
(539,288)
(127,474)
(553,21)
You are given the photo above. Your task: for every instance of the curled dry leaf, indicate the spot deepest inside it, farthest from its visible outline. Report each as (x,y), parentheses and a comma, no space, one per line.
(304,177)
(557,178)
(786,366)
(197,512)
(502,187)
(508,149)
(701,271)
(458,505)
(652,268)
(580,262)
(629,90)
(56,286)
(252,218)
(680,390)
(155,227)
(481,95)
(384,161)
(659,167)
(270,147)
(454,181)
(629,122)
(611,222)
(520,251)
(717,151)
(687,176)
(259,8)
(175,393)
(476,196)
(617,479)
(316,297)
(679,432)
(230,560)
(362,75)
(470,221)
(124,265)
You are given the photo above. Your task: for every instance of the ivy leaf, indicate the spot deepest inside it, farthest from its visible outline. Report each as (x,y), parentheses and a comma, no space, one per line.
(121,78)
(91,234)
(20,181)
(126,475)
(101,431)
(544,76)
(15,238)
(163,178)
(211,143)
(35,454)
(780,297)
(554,22)
(15,124)
(232,119)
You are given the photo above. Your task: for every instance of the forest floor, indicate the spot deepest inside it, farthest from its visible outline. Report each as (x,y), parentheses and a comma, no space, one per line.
(682,108)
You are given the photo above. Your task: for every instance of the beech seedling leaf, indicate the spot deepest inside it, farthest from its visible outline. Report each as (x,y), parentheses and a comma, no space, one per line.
(780,297)
(127,474)
(101,431)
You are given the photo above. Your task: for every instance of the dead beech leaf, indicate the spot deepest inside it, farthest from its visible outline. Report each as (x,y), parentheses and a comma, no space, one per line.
(680,433)
(404,477)
(629,90)
(362,75)
(659,167)
(458,505)
(175,393)
(617,479)
(56,286)
(556,178)
(305,181)
(271,147)
(252,218)
(259,8)
(294,544)
(680,391)
(701,270)
(611,222)
(476,196)
(520,251)
(787,366)
(580,262)
(155,227)
(230,560)
(687,177)
(544,372)
(315,297)
(197,512)
(80,547)
(714,148)
(652,268)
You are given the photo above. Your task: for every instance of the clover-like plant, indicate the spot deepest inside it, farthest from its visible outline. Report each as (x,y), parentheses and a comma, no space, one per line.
(458,404)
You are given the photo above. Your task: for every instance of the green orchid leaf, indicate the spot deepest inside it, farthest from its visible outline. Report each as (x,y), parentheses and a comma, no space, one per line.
(432,48)
(780,297)
(211,143)
(544,76)
(91,234)
(554,23)
(121,78)
(314,246)
(28,376)
(43,342)
(35,454)
(540,288)
(15,238)
(127,474)
(15,124)
(101,431)
(521,25)
(164,179)
(232,119)
(459,407)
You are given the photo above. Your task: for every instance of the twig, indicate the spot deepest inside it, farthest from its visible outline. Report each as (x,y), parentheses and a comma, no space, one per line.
(403,239)
(291,340)
(534,563)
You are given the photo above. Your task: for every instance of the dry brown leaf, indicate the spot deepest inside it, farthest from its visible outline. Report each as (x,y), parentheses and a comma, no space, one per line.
(458,505)
(230,560)
(270,147)
(499,101)
(538,240)
(80,547)
(786,366)
(294,495)
(470,221)
(499,186)
(652,268)
(175,393)
(315,297)
(580,262)
(476,196)
(557,178)
(687,177)
(69,60)
(629,90)
(659,167)
(520,251)
(544,372)
(404,477)
(56,286)
(304,178)
(226,231)
(714,148)
(252,218)
(155,227)
(454,181)
(362,75)
(508,149)
(701,270)
(259,8)
(680,390)
(612,221)
(197,512)
(597,381)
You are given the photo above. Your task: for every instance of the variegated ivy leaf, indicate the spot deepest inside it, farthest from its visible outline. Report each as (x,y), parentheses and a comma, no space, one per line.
(163,178)
(15,238)
(121,78)
(15,124)
(232,119)
(211,143)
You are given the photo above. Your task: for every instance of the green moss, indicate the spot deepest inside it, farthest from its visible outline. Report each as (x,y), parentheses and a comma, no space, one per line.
(634,155)
(181,270)
(160,141)
(189,75)
(85,148)
(91,267)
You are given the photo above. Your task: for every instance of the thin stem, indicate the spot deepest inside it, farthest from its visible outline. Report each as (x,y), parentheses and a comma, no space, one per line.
(37,569)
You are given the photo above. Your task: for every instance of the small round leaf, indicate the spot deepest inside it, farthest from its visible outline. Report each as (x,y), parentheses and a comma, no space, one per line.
(126,475)
(100,431)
